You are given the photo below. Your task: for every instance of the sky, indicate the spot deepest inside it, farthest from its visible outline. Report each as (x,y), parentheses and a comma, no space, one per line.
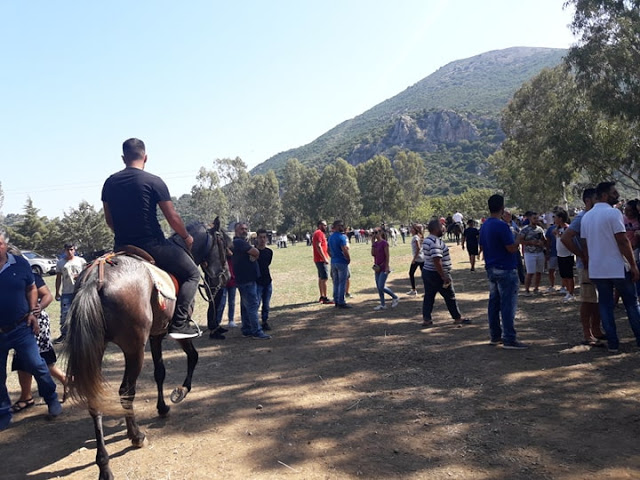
(199,80)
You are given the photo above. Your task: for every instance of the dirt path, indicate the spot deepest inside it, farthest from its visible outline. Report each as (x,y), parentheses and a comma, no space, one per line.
(363,394)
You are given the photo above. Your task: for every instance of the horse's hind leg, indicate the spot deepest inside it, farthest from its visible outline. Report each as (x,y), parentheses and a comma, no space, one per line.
(159,373)
(102,457)
(133,366)
(192,359)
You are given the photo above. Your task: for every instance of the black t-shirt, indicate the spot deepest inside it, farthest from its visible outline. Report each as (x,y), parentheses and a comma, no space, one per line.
(264,260)
(244,269)
(133,195)
(471,237)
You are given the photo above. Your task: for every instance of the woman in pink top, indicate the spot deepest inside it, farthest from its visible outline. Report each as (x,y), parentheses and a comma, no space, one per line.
(380,253)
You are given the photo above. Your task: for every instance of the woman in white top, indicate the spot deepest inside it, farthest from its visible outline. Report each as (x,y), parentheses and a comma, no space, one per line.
(417,261)
(565,257)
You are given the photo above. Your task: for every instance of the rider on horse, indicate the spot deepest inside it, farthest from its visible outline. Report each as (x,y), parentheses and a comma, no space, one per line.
(130,197)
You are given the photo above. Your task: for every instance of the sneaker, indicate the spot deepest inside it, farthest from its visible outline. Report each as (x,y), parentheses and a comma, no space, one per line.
(232,324)
(246,335)
(526,294)
(55,408)
(614,350)
(222,330)
(472,270)
(495,342)
(515,345)
(188,329)
(348,295)
(563,290)
(343,305)
(59,340)
(217,335)
(568,298)
(266,326)
(321,299)
(380,307)
(261,336)
(394,302)
(326,301)
(550,290)
(412,293)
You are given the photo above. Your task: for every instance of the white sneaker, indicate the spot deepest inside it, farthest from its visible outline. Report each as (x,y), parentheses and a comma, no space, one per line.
(563,290)
(232,324)
(380,307)
(550,290)
(568,298)
(412,293)
(395,302)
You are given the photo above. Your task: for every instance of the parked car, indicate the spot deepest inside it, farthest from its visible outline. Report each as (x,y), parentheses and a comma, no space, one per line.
(40,264)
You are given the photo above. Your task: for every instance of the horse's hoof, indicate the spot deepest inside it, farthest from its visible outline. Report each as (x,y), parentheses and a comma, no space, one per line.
(164,412)
(178,394)
(140,443)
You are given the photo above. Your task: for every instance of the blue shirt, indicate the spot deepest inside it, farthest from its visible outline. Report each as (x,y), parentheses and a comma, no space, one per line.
(575,226)
(495,236)
(244,269)
(337,240)
(15,277)
(553,252)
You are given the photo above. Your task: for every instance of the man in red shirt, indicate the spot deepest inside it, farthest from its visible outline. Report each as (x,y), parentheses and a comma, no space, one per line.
(321,259)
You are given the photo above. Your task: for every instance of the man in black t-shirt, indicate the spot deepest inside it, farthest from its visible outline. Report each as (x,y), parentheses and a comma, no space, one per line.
(264,280)
(130,198)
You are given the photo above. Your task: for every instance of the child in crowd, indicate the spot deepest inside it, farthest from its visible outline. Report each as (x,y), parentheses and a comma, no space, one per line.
(470,237)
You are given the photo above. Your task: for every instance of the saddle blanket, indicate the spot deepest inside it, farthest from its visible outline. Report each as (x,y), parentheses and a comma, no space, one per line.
(166,284)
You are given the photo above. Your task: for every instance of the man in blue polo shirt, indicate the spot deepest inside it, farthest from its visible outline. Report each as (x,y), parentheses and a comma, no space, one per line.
(340,259)
(500,251)
(18,322)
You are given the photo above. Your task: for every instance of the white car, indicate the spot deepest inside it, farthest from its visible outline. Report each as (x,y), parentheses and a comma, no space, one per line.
(40,264)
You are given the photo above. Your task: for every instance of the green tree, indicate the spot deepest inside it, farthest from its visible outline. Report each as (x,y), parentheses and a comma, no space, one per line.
(207,198)
(379,189)
(606,58)
(338,195)
(299,207)
(264,209)
(86,228)
(411,174)
(235,180)
(30,234)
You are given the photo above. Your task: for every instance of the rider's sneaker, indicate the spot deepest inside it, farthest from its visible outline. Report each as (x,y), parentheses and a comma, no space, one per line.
(188,329)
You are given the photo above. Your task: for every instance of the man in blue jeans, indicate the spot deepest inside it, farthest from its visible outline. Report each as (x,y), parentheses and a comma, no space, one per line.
(500,257)
(246,270)
(18,323)
(265,284)
(340,259)
(611,263)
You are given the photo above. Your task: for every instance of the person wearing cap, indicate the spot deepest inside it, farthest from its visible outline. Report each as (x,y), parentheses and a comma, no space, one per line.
(67,270)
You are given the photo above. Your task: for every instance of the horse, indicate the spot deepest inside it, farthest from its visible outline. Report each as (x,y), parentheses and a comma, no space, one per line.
(118,302)
(454,231)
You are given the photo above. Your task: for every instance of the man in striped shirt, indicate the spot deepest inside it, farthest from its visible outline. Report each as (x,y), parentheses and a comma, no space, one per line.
(436,276)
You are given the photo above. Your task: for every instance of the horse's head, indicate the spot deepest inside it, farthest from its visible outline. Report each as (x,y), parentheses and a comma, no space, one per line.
(215,262)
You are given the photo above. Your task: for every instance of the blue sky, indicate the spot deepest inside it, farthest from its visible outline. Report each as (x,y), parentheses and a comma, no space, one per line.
(199,80)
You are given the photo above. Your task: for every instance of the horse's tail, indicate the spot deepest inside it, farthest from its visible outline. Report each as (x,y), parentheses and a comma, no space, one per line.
(85,343)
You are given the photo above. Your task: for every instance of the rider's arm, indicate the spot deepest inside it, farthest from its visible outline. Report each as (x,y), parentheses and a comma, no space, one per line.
(107,215)
(175,221)
(253,252)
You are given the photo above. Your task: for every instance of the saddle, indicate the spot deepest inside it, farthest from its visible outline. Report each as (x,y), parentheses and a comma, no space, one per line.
(165,283)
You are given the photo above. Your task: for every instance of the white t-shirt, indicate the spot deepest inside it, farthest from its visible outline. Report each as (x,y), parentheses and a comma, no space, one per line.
(598,227)
(457,217)
(70,269)
(560,248)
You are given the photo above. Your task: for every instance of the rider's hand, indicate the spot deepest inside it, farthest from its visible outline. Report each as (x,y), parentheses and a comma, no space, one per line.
(188,242)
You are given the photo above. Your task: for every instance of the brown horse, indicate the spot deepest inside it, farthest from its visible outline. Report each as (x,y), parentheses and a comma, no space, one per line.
(119,303)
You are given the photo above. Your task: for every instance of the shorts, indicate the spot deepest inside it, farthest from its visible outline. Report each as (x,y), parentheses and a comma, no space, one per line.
(552,263)
(48,355)
(588,292)
(472,249)
(323,270)
(534,262)
(565,266)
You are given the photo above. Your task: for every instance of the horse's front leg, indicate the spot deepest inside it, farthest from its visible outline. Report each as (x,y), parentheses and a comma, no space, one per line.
(133,366)
(159,373)
(192,360)
(102,457)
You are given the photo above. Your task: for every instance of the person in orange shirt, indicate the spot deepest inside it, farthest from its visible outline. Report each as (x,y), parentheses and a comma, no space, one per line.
(321,259)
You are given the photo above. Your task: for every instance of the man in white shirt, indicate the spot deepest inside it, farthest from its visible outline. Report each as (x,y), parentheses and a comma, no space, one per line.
(68,269)
(457,217)
(610,260)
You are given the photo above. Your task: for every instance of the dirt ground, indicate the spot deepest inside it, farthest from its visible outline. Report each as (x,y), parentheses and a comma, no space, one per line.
(362,394)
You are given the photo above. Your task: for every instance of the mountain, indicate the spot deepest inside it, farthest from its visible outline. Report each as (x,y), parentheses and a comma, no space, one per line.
(455,109)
